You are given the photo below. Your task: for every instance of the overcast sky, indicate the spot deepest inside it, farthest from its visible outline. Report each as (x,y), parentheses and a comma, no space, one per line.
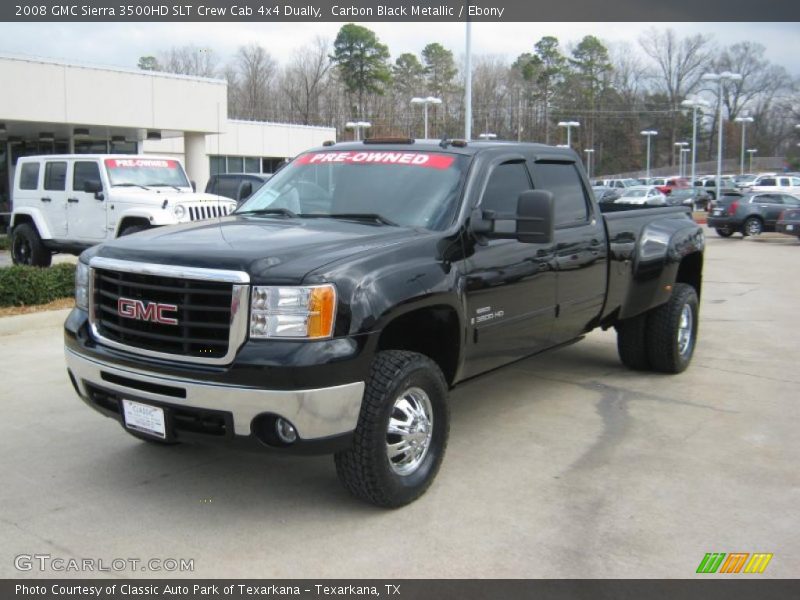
(120,44)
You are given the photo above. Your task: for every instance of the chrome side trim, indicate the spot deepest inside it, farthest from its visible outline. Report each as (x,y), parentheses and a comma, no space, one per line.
(240,306)
(113,264)
(315,413)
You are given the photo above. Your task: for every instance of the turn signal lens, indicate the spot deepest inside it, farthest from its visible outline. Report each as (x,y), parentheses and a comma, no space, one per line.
(321,306)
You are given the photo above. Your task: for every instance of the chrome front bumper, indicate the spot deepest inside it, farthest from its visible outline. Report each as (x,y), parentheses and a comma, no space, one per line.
(315,413)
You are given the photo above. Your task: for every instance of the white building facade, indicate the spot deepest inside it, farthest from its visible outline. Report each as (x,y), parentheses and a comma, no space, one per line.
(48,106)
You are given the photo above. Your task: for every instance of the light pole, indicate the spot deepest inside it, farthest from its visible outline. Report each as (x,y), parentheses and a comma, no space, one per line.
(589,155)
(695,104)
(720,78)
(426,102)
(684,152)
(357,126)
(751,151)
(679,146)
(744,121)
(649,133)
(569,125)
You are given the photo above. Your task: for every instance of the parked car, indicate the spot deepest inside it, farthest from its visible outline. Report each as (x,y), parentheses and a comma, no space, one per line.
(709,184)
(744,180)
(343,331)
(67,203)
(750,213)
(643,195)
(775,183)
(617,183)
(695,198)
(789,222)
(605,195)
(237,186)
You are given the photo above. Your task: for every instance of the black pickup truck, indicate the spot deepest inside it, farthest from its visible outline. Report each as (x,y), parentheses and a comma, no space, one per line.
(336,308)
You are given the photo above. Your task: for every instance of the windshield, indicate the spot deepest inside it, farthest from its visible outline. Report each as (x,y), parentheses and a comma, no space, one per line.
(411,189)
(145,172)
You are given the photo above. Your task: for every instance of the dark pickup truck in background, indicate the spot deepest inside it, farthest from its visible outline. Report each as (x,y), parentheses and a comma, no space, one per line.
(336,308)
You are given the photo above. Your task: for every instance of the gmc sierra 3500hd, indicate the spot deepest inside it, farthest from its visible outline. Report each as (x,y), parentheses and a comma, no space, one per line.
(334,309)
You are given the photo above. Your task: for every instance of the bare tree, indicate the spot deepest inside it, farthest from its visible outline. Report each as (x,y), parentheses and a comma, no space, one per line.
(305,79)
(679,66)
(189,60)
(256,70)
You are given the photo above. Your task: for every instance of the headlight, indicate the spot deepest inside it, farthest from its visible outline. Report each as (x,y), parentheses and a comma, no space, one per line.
(82,286)
(292,312)
(179,211)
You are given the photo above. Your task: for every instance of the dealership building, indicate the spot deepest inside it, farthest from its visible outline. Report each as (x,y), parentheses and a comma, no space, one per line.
(53,107)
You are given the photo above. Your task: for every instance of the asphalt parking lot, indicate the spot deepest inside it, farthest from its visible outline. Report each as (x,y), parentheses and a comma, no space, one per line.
(562,465)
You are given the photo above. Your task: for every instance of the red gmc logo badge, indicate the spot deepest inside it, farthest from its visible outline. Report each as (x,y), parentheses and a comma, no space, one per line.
(150,311)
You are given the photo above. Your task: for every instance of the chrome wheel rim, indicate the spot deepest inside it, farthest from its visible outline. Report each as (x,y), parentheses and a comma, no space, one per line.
(754,227)
(685,329)
(410,430)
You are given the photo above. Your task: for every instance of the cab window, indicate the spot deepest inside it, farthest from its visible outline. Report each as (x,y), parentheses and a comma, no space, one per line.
(505,184)
(84,171)
(29,176)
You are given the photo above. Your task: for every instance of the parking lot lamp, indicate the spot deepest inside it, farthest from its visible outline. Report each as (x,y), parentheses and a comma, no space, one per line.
(357,126)
(744,121)
(648,133)
(425,102)
(684,152)
(487,136)
(589,155)
(679,146)
(720,78)
(569,125)
(695,104)
(751,151)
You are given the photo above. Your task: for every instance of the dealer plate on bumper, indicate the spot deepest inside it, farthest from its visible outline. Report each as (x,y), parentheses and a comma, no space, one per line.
(144,418)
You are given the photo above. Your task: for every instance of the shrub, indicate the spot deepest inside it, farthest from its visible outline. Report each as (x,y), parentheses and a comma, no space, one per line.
(23,286)
(4,243)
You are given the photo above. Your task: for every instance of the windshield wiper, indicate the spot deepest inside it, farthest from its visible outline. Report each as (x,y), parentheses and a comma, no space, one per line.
(372,217)
(285,212)
(129,185)
(165,185)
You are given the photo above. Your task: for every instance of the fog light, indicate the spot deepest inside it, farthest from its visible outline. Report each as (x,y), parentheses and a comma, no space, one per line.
(286,431)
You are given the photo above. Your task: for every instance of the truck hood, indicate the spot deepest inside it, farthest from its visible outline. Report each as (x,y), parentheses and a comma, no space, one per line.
(271,250)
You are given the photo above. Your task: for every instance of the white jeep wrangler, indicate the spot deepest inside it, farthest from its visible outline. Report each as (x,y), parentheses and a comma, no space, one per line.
(66,203)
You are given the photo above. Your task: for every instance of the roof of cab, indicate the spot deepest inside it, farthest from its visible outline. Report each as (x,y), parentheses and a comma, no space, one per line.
(460,147)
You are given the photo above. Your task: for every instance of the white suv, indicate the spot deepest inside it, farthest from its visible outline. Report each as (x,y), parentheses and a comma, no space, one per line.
(66,203)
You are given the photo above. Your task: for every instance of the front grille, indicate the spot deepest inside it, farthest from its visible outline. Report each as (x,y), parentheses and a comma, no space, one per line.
(207,211)
(203,313)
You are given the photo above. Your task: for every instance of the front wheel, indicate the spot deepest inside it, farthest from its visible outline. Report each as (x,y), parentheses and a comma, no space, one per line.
(726,233)
(402,431)
(27,247)
(672,331)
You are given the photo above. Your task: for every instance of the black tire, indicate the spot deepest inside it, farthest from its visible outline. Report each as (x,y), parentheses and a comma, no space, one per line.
(752,226)
(663,324)
(632,343)
(726,233)
(27,247)
(364,469)
(133,229)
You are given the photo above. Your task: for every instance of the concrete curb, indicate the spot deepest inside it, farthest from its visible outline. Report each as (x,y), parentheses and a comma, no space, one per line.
(41,320)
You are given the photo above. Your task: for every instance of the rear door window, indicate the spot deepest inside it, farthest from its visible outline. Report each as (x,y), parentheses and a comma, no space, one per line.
(563,180)
(55,176)
(29,176)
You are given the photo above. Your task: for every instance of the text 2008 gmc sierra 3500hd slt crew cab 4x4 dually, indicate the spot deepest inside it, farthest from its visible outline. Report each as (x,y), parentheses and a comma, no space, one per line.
(334,310)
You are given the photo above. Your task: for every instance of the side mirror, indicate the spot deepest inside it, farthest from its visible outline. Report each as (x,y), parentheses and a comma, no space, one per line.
(535,217)
(245,191)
